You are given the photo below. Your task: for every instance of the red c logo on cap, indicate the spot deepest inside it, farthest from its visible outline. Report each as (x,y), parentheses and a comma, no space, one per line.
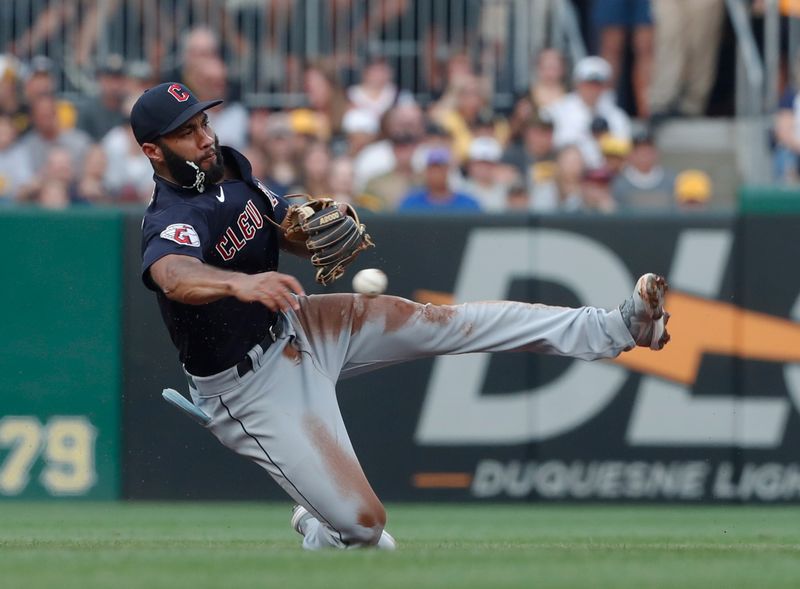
(178,93)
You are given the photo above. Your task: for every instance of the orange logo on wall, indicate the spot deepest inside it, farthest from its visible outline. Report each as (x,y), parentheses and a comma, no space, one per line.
(701,326)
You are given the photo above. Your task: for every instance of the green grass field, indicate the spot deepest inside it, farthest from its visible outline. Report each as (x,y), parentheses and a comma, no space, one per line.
(222,545)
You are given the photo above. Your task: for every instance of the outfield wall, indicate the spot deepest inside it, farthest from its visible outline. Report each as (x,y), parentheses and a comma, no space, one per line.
(714,417)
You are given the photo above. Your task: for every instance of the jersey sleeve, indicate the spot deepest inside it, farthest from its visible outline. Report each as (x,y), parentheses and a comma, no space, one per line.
(180,229)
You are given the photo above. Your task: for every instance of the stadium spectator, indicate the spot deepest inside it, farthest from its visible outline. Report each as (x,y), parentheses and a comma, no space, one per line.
(275,143)
(90,185)
(138,77)
(129,176)
(436,194)
(406,117)
(518,198)
(46,133)
(460,110)
(615,152)
(693,190)
(326,97)
(385,191)
(11,103)
(614,21)
(481,180)
(573,114)
(786,130)
(53,195)
(16,169)
(101,113)
(564,191)
(643,183)
(377,91)
(547,86)
(341,179)
(315,171)
(534,160)
(40,81)
(360,127)
(596,191)
(55,185)
(208,79)
(687,39)
(198,44)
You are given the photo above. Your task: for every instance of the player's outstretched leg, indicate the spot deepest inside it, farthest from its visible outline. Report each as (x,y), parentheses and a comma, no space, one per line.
(351,334)
(306,525)
(643,312)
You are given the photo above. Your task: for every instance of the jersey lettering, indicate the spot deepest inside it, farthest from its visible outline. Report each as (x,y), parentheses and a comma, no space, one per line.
(181,234)
(236,236)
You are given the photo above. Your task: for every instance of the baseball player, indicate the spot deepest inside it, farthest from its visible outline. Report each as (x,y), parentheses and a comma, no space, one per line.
(262,359)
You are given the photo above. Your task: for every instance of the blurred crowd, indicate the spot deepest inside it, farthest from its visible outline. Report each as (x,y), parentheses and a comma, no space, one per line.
(565,145)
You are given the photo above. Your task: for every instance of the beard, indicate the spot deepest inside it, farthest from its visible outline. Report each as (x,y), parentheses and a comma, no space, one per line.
(188,173)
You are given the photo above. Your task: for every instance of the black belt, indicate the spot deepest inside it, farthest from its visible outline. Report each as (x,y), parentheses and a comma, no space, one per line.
(273,333)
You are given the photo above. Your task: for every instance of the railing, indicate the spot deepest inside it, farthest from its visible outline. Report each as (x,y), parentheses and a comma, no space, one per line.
(265,42)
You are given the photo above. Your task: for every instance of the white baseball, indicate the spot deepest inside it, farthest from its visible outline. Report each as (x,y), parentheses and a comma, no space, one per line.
(370,282)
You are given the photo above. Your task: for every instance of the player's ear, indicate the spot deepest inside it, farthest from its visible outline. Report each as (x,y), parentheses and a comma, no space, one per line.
(153,152)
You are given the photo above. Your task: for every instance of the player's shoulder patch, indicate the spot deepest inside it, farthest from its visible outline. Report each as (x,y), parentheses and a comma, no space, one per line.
(182,234)
(273,199)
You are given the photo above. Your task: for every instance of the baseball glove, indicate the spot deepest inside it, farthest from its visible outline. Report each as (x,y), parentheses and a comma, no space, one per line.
(333,237)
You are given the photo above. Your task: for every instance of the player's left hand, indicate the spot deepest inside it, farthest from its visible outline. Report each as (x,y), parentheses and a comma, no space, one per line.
(332,233)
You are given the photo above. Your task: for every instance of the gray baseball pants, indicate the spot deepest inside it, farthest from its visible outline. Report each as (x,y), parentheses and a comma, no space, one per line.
(284,414)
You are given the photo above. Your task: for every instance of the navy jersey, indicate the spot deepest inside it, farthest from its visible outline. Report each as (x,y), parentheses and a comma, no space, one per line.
(225,226)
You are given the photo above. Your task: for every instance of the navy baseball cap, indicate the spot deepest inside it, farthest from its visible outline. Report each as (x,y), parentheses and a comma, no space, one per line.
(164,108)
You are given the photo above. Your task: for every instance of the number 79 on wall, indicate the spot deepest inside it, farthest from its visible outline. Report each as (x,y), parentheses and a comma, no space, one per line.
(66,445)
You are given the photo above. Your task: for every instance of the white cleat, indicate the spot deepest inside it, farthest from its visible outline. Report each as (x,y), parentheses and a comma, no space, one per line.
(644,312)
(301,516)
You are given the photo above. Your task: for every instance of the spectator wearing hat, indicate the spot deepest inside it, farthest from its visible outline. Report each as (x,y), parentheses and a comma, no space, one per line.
(360,127)
(481,181)
(436,194)
(596,190)
(615,152)
(644,184)
(693,190)
(101,113)
(384,192)
(592,99)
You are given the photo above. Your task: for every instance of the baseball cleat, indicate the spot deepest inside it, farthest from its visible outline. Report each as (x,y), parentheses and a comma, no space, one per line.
(300,516)
(644,312)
